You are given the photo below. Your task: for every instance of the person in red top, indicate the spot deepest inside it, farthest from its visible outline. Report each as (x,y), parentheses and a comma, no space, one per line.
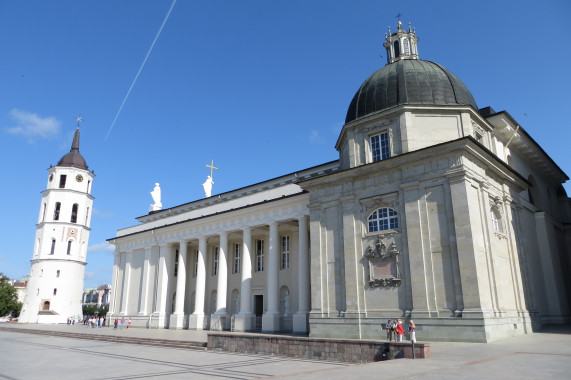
(400,331)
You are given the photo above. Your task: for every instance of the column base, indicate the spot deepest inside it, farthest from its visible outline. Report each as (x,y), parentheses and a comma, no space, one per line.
(218,322)
(177,321)
(244,322)
(270,323)
(196,322)
(158,320)
(301,323)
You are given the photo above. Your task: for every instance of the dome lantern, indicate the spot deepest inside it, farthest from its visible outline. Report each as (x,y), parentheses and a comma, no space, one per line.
(401,44)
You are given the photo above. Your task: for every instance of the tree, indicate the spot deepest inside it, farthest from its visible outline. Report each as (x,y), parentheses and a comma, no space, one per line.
(9,304)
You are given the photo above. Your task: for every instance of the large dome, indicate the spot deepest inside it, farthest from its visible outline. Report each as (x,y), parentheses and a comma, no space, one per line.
(408,81)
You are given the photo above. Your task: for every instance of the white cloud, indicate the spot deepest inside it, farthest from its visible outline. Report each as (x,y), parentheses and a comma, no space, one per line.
(314,137)
(104,246)
(103,214)
(30,125)
(89,275)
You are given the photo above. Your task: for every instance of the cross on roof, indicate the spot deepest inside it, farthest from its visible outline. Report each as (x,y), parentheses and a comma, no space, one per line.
(212,167)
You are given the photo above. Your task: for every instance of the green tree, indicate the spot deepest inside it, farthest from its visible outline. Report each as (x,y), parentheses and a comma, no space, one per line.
(8,298)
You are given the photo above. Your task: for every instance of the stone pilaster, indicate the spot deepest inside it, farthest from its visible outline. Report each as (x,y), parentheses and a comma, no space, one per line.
(143,301)
(177,318)
(126,283)
(300,319)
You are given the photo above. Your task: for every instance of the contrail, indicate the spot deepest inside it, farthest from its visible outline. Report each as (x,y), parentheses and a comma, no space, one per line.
(141,68)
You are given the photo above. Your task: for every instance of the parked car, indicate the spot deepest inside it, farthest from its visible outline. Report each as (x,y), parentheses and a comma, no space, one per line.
(4,319)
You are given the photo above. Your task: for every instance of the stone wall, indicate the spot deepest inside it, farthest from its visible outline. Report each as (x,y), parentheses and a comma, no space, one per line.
(343,350)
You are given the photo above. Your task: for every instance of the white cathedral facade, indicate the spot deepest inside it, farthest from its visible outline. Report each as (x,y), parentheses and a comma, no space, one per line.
(55,282)
(436,211)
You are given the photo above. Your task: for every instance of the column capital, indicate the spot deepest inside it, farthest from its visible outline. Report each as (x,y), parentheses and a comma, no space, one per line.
(273,224)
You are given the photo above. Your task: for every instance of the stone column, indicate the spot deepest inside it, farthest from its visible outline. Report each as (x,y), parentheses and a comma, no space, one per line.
(218,319)
(165,260)
(271,318)
(126,283)
(196,319)
(300,319)
(143,301)
(114,290)
(243,321)
(177,318)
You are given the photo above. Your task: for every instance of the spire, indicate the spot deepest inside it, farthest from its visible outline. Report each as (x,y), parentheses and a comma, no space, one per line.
(401,44)
(73,158)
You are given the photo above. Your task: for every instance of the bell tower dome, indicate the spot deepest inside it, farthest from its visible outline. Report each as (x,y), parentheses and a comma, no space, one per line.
(401,44)
(58,262)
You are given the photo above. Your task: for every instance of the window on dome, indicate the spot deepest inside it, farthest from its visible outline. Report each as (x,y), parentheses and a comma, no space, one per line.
(62,179)
(397,49)
(56,211)
(383,219)
(406,47)
(380,147)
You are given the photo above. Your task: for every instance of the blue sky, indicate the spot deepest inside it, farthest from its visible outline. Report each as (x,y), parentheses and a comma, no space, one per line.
(260,87)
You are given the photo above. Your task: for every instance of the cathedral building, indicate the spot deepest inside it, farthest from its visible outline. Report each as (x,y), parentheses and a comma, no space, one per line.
(436,211)
(55,283)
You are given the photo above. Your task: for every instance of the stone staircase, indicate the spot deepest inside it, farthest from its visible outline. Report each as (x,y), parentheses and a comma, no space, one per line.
(113,338)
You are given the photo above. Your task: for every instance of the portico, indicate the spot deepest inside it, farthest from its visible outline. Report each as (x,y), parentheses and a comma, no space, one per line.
(246,271)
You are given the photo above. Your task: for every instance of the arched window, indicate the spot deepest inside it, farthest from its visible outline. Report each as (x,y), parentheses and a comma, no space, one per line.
(397,48)
(406,48)
(55,291)
(69,247)
(46,305)
(74,213)
(383,219)
(57,273)
(44,213)
(56,211)
(86,216)
(53,248)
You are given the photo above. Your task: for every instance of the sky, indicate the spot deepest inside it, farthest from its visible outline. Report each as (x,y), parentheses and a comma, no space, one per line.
(259,87)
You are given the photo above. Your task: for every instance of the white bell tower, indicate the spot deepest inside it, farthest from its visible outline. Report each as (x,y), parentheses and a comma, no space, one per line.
(55,284)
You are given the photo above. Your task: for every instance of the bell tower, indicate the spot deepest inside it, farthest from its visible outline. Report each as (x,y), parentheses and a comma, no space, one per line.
(55,284)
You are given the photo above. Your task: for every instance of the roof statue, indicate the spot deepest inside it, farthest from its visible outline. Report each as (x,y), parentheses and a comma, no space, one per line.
(207,185)
(156,194)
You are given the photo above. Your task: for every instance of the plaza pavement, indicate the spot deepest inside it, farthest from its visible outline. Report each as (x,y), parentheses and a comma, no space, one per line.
(33,356)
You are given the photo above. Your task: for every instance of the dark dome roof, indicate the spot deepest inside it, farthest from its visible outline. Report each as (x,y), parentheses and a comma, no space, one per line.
(74,158)
(408,81)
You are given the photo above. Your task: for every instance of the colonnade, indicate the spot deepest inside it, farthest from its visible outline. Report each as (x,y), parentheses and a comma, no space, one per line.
(157,294)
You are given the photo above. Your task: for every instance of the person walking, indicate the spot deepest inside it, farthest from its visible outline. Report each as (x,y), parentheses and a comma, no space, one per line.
(122,322)
(394,330)
(129,322)
(400,331)
(411,331)
(116,323)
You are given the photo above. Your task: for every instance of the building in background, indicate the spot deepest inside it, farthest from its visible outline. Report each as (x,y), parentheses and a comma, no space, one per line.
(97,297)
(436,211)
(55,282)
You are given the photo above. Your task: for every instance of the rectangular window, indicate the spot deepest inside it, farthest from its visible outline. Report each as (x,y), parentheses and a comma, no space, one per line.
(285,252)
(52,250)
(69,247)
(236,268)
(215,261)
(259,255)
(195,264)
(380,147)
(62,179)
(176,263)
